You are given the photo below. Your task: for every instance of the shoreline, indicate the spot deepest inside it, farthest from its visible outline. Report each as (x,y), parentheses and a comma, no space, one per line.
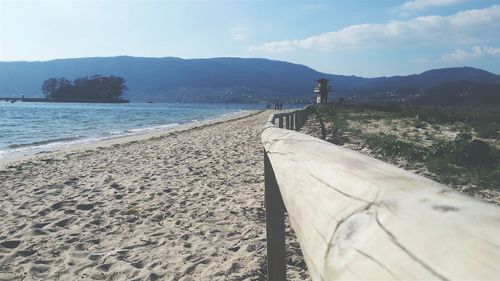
(186,204)
(7,99)
(91,143)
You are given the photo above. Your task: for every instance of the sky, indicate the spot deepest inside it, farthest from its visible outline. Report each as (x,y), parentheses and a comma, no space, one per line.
(367,38)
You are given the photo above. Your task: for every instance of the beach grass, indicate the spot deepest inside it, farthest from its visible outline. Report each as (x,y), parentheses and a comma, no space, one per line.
(457,147)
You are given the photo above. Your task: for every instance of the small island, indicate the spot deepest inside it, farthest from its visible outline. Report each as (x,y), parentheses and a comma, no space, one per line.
(96,89)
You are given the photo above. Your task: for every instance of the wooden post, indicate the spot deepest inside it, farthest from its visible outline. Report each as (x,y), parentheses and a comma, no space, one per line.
(275,225)
(288,121)
(280,122)
(297,121)
(292,121)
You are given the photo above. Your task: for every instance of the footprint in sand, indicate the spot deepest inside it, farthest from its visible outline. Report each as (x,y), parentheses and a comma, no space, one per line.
(96,222)
(154,276)
(40,225)
(138,264)
(25,253)
(57,205)
(38,191)
(44,212)
(185,236)
(39,270)
(117,186)
(71,181)
(37,232)
(11,244)
(85,207)
(65,222)
(104,267)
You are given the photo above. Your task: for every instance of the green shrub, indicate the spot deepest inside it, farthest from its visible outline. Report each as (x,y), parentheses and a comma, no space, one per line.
(495,175)
(487,130)
(391,146)
(462,159)
(477,152)
(420,124)
(470,151)
(440,148)
(331,114)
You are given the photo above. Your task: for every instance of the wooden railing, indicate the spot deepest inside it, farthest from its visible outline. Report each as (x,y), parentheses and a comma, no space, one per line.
(358,218)
(293,120)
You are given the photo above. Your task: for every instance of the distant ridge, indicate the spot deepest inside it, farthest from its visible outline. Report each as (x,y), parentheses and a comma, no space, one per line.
(461,93)
(219,79)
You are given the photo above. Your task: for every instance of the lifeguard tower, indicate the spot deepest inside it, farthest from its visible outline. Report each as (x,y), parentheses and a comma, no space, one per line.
(322,89)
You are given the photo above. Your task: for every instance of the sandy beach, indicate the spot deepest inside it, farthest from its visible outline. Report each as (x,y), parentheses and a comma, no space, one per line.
(183,205)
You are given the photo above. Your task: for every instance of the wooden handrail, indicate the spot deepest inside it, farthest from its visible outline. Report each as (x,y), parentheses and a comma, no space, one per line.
(290,120)
(358,218)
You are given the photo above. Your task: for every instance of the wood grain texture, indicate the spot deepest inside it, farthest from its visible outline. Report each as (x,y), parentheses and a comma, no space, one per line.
(358,218)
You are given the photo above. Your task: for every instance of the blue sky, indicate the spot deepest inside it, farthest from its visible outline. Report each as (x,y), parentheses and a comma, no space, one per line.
(364,37)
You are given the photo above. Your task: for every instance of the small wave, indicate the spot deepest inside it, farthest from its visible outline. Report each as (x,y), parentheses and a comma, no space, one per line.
(113,133)
(138,130)
(168,125)
(155,128)
(45,142)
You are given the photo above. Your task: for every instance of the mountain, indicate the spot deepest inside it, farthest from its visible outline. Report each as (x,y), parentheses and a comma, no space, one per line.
(434,77)
(461,93)
(167,79)
(219,79)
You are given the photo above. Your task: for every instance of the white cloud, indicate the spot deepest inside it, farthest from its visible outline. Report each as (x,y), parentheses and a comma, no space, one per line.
(420,5)
(491,51)
(419,60)
(476,52)
(462,55)
(469,27)
(239,32)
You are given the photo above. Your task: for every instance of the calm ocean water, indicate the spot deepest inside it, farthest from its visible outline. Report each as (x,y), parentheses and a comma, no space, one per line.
(28,128)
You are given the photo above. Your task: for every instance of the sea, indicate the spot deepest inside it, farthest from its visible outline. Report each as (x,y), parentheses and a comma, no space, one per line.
(28,128)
